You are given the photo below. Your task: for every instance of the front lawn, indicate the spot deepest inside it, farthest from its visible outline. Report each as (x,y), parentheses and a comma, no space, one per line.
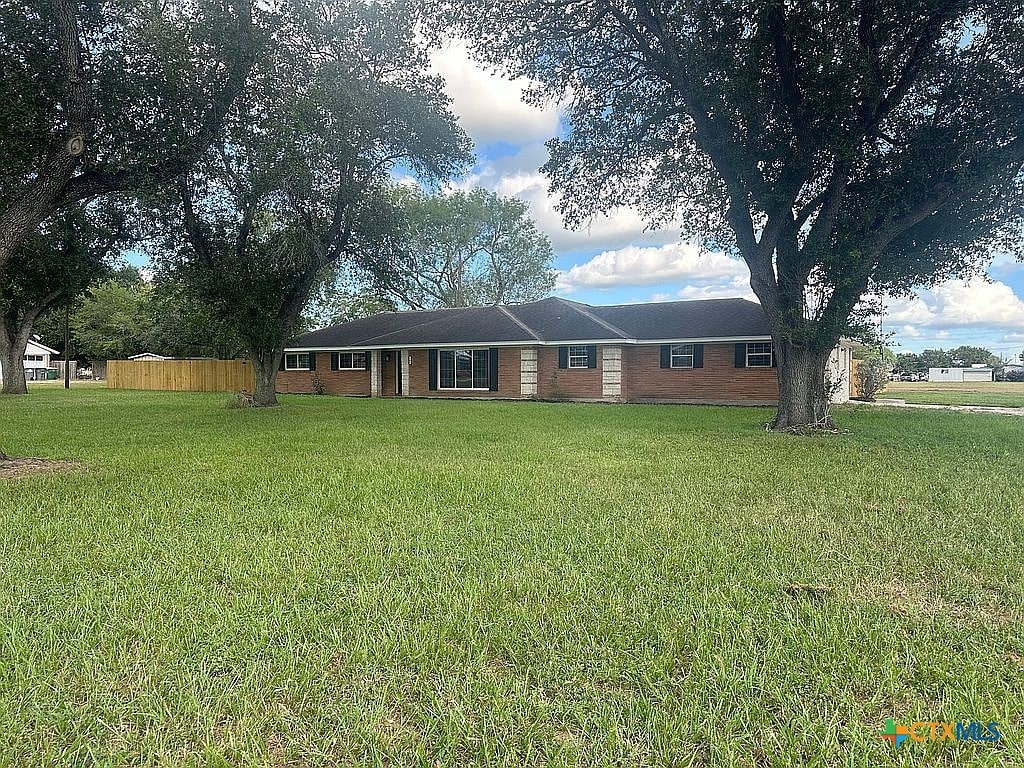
(1005,393)
(343,581)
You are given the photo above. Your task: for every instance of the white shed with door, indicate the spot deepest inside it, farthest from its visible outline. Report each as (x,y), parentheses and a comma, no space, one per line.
(976,373)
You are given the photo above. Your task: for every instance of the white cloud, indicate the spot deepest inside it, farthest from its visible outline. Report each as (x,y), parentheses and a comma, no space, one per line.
(957,303)
(517,175)
(736,288)
(490,107)
(633,265)
(909,330)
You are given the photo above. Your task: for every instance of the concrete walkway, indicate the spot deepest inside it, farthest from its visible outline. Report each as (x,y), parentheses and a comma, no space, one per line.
(998,409)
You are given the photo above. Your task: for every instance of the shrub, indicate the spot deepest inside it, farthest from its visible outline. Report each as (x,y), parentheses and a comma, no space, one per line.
(871,377)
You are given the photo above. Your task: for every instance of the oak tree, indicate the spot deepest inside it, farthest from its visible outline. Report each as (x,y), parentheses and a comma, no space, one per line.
(837,147)
(301,179)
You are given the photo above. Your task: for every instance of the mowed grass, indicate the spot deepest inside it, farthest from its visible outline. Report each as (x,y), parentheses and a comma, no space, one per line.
(386,582)
(1004,393)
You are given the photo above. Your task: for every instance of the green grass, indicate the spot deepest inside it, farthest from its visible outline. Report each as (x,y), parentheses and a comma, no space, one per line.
(1004,393)
(344,581)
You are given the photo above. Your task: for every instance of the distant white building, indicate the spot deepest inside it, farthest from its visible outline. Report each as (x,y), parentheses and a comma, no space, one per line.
(147,357)
(974,373)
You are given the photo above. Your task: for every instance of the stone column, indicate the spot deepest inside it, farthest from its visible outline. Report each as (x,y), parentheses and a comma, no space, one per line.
(528,371)
(611,373)
(403,360)
(375,362)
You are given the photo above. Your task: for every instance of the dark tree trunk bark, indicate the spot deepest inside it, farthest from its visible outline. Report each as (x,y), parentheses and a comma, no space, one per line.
(12,359)
(804,402)
(265,365)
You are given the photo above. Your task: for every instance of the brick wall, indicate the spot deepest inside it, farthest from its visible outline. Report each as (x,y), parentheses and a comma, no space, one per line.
(335,382)
(554,383)
(508,376)
(718,381)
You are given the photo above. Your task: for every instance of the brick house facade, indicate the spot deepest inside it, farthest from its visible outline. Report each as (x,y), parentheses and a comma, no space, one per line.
(714,351)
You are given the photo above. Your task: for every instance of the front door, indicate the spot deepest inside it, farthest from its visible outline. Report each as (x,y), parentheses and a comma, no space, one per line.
(388,372)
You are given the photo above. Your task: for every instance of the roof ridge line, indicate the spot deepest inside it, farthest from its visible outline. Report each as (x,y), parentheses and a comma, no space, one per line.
(579,307)
(398,330)
(519,322)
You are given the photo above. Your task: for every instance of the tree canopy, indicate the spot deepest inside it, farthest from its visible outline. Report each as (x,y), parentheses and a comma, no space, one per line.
(835,147)
(103,97)
(301,177)
(463,249)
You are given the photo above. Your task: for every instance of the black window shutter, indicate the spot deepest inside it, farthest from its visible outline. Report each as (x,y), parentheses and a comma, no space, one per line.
(281,366)
(775,359)
(741,355)
(666,356)
(334,360)
(698,355)
(312,361)
(432,369)
(563,357)
(492,361)
(367,359)
(591,356)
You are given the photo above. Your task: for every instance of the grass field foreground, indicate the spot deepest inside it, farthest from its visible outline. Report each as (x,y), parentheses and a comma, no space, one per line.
(1001,393)
(375,582)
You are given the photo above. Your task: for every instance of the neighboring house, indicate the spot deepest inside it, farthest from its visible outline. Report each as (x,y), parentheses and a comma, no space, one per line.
(147,356)
(37,360)
(974,373)
(711,351)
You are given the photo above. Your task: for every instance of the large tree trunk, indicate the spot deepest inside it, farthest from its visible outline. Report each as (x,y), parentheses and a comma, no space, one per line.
(265,364)
(804,402)
(12,359)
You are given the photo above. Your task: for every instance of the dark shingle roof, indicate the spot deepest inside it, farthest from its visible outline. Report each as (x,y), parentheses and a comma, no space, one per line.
(708,318)
(548,320)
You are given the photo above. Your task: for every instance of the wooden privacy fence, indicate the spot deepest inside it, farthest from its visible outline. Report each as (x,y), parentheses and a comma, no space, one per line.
(181,375)
(854,389)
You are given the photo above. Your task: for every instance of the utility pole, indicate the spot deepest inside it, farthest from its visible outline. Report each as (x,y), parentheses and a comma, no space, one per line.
(67,346)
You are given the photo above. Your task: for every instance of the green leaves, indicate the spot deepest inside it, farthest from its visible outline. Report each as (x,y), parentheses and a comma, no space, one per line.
(462,249)
(339,100)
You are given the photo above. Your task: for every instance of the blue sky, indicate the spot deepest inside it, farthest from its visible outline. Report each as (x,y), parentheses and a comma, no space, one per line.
(616,261)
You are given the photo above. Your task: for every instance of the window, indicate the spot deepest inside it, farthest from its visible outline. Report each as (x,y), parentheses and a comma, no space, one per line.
(463,369)
(759,355)
(578,357)
(351,361)
(33,358)
(296,361)
(681,356)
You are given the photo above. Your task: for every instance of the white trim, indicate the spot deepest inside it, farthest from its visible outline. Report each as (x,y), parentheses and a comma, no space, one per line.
(528,343)
(704,340)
